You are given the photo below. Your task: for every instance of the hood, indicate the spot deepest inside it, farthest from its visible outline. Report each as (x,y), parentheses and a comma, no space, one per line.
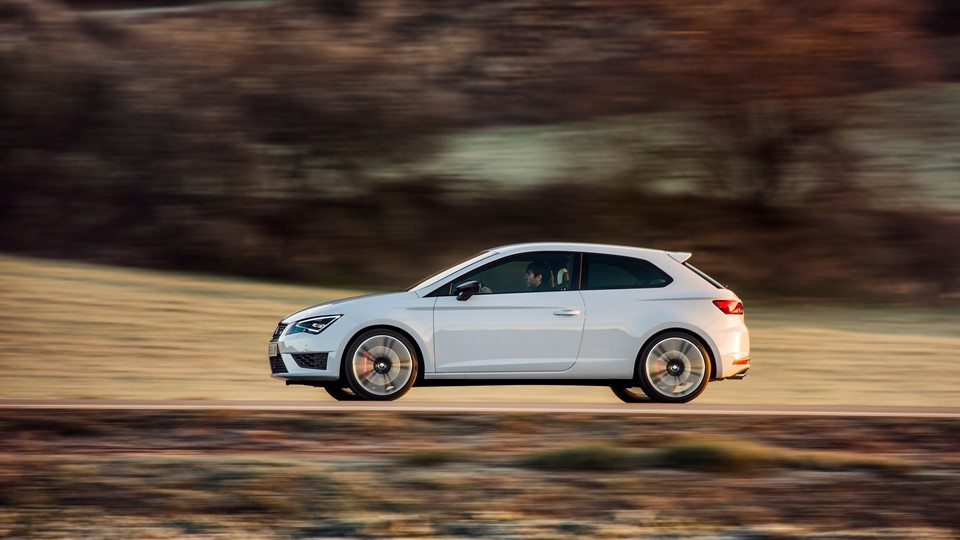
(338,307)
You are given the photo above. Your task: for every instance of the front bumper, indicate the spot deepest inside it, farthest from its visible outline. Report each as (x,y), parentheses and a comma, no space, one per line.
(305,357)
(310,367)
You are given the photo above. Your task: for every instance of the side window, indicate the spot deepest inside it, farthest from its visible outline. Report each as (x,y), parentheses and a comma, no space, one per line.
(529,272)
(615,272)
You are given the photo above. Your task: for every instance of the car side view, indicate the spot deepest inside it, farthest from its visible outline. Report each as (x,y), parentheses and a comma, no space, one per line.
(644,322)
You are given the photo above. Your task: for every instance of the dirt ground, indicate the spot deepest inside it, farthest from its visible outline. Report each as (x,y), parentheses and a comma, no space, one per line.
(74,331)
(115,474)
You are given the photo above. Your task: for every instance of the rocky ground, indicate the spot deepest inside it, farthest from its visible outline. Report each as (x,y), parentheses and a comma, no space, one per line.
(107,474)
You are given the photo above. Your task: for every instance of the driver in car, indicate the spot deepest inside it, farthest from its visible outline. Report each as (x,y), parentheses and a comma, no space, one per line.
(539,277)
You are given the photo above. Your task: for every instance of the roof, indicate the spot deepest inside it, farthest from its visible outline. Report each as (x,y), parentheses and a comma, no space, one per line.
(591,248)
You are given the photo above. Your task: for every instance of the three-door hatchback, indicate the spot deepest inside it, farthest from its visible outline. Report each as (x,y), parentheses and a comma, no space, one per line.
(644,322)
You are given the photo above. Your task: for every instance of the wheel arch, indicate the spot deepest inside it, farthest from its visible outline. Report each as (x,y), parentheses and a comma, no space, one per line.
(416,345)
(705,343)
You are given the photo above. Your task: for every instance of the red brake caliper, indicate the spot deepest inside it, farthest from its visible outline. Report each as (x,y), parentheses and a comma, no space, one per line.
(367,364)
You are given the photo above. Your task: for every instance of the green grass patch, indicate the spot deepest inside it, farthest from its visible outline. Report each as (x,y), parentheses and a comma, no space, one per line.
(435,458)
(714,455)
(587,457)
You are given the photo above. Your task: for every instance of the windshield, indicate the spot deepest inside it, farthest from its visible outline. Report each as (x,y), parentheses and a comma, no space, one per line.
(451,270)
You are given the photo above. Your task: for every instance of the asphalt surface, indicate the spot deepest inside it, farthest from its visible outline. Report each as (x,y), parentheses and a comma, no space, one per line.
(137,10)
(638,409)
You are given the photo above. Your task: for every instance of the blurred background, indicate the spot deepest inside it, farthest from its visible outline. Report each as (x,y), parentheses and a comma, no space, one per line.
(800,151)
(177,175)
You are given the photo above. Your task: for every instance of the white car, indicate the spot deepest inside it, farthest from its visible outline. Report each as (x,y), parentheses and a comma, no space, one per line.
(644,322)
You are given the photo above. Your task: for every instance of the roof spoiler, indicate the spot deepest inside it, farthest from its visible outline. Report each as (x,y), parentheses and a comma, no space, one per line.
(680,256)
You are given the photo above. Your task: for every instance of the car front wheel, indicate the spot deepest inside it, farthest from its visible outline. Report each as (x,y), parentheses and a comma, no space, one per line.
(381,365)
(673,368)
(341,394)
(630,394)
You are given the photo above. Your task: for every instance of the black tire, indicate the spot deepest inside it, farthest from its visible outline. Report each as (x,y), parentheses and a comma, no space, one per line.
(630,394)
(341,394)
(673,367)
(381,365)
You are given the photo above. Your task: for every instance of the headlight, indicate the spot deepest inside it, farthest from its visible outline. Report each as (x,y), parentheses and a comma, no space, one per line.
(313,325)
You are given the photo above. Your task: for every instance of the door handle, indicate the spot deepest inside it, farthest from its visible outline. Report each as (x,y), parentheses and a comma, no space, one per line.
(567,312)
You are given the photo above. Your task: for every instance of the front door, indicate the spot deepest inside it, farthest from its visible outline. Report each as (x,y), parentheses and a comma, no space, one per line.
(524,319)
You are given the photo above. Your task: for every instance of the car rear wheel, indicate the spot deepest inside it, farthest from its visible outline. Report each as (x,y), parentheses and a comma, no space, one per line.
(673,368)
(630,394)
(381,365)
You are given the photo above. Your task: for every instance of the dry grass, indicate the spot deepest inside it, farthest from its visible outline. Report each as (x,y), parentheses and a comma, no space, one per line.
(70,330)
(81,331)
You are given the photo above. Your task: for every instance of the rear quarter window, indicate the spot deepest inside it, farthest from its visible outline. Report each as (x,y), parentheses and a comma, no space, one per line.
(702,274)
(616,272)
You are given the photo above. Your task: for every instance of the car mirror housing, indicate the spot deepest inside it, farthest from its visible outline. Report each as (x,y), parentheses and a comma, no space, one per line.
(467,289)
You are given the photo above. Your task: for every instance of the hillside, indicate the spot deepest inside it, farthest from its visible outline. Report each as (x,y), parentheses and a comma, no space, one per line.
(369,142)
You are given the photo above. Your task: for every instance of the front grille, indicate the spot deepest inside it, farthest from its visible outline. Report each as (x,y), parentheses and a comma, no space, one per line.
(277,365)
(276,333)
(311,361)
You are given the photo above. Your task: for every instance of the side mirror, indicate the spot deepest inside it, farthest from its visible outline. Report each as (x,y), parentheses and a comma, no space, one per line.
(467,289)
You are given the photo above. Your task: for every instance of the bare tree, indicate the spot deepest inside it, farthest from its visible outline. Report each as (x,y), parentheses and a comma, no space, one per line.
(767,81)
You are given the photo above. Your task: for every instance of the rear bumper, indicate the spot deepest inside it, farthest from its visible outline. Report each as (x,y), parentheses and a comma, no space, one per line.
(733,348)
(745,367)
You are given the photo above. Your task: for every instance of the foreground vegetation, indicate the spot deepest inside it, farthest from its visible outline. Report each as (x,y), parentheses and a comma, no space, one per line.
(95,332)
(281,475)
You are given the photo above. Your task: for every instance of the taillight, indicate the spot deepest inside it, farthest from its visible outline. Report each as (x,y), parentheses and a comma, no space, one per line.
(729,307)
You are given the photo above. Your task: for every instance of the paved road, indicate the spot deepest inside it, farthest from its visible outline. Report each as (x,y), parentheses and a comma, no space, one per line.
(641,409)
(137,10)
